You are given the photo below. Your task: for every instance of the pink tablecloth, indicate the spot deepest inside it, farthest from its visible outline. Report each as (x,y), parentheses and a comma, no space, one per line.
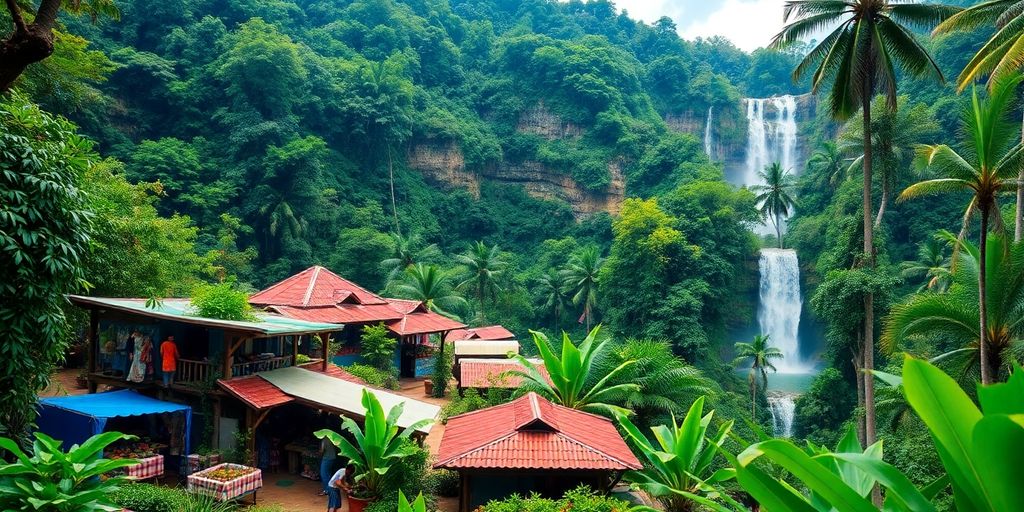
(150,467)
(229,490)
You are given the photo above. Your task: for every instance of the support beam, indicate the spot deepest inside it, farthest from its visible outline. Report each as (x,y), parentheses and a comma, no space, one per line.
(295,350)
(229,352)
(259,419)
(92,345)
(325,344)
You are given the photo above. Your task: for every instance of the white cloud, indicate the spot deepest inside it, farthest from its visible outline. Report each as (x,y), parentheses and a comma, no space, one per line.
(749,24)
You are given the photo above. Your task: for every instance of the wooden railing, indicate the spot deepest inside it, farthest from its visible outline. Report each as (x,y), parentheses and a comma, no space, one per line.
(190,371)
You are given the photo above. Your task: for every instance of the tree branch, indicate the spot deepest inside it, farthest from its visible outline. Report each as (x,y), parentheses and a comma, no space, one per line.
(19,22)
(46,17)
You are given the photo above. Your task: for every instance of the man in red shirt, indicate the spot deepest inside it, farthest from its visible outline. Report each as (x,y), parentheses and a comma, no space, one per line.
(169,360)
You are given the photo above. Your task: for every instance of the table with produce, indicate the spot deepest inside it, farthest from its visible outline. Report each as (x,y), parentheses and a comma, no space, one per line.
(226,481)
(151,463)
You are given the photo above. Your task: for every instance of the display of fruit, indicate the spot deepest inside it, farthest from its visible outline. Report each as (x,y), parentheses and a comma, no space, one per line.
(140,450)
(226,474)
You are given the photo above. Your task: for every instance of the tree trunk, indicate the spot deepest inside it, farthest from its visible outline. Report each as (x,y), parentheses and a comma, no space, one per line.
(753,397)
(881,206)
(858,365)
(986,377)
(30,45)
(1018,219)
(394,204)
(869,299)
(778,230)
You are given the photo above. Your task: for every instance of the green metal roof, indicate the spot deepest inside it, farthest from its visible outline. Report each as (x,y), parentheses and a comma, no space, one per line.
(181,310)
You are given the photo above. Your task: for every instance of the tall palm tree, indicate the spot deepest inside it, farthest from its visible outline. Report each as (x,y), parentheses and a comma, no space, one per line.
(581,277)
(932,266)
(894,135)
(859,57)
(827,162)
(988,166)
(774,196)
(760,355)
(552,290)
(955,316)
(998,58)
(574,382)
(431,286)
(407,251)
(483,267)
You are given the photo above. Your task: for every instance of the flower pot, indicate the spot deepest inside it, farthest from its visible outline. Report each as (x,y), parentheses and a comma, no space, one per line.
(357,504)
(428,387)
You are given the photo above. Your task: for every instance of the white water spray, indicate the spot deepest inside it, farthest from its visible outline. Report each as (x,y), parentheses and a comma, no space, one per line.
(771,135)
(708,137)
(783,409)
(778,313)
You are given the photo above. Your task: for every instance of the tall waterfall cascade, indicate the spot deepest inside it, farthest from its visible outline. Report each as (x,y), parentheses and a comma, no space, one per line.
(778,312)
(783,409)
(709,141)
(771,135)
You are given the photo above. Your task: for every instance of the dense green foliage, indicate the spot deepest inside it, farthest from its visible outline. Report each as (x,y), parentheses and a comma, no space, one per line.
(582,499)
(222,301)
(377,348)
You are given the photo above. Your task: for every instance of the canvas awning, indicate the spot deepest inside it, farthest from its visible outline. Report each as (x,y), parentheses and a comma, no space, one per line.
(486,347)
(346,397)
(73,419)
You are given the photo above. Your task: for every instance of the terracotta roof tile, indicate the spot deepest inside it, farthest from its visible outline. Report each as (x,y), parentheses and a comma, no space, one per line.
(342,313)
(492,373)
(315,286)
(260,394)
(490,332)
(423,323)
(532,433)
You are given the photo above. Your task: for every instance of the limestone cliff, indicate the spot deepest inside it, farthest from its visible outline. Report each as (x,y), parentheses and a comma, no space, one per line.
(442,164)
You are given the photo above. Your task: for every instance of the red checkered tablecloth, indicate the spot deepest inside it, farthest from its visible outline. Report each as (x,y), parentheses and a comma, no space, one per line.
(198,462)
(150,467)
(229,490)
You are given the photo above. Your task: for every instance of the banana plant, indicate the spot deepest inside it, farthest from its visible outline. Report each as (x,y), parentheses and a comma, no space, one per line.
(417,505)
(378,447)
(678,470)
(54,481)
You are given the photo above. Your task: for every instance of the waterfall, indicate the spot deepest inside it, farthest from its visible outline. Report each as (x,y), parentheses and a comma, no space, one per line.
(771,135)
(783,408)
(778,313)
(708,140)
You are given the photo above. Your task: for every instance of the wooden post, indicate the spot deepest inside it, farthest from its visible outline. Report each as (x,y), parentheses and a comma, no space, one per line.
(215,442)
(229,352)
(325,342)
(465,492)
(295,350)
(93,346)
(250,439)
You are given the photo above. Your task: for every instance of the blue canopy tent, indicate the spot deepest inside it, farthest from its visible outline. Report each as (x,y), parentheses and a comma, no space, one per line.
(73,419)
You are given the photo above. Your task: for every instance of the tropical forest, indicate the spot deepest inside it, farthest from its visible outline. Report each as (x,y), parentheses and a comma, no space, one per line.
(511,255)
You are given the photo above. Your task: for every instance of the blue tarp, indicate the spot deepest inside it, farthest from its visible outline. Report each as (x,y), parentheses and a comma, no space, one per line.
(73,419)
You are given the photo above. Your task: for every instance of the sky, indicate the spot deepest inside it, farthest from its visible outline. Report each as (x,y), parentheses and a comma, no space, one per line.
(750,24)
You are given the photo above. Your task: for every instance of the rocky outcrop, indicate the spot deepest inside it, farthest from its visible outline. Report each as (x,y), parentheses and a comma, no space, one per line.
(442,163)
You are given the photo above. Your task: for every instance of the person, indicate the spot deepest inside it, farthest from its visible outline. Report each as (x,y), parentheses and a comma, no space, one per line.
(169,360)
(141,357)
(328,457)
(341,481)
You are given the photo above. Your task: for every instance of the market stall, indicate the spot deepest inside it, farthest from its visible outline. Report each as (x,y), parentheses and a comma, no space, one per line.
(73,419)
(227,482)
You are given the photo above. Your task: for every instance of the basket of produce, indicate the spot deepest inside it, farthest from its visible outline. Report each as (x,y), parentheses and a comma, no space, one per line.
(227,481)
(151,463)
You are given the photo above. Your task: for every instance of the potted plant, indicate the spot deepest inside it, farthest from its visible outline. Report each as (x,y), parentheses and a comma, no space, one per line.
(377,448)
(82,380)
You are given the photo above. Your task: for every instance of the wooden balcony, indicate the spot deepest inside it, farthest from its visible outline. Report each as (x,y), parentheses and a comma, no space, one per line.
(192,371)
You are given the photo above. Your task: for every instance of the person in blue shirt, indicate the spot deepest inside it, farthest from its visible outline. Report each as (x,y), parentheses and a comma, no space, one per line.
(328,458)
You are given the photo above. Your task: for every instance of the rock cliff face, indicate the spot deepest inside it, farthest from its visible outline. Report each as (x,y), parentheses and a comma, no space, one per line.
(442,163)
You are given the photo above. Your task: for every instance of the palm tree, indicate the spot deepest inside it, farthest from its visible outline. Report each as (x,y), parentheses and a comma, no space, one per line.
(859,57)
(760,356)
(483,267)
(827,162)
(407,251)
(666,383)
(279,218)
(931,266)
(431,286)
(552,290)
(894,135)
(582,278)
(574,383)
(988,167)
(955,316)
(998,58)
(774,197)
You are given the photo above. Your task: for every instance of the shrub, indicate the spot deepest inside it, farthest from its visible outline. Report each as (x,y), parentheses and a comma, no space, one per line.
(148,498)
(443,482)
(443,361)
(378,347)
(472,400)
(580,499)
(373,376)
(223,302)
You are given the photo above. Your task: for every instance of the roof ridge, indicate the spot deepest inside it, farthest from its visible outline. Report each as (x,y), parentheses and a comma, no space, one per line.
(593,449)
(312,284)
(476,448)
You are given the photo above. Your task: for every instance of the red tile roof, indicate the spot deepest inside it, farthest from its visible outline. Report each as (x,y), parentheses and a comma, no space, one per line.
(532,433)
(315,286)
(490,332)
(260,394)
(423,323)
(319,295)
(492,373)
